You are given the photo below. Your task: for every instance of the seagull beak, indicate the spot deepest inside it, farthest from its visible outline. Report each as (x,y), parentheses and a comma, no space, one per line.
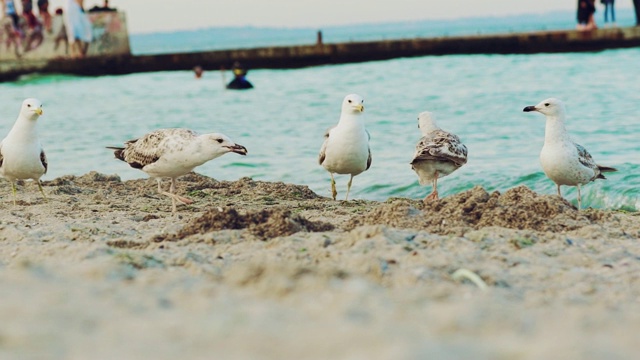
(359,107)
(39,111)
(530,108)
(238,149)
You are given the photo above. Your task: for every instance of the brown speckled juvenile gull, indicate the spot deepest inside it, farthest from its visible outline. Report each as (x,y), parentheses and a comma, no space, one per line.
(174,152)
(438,153)
(562,160)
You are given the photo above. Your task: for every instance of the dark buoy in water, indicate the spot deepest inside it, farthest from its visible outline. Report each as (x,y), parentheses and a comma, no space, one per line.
(239,81)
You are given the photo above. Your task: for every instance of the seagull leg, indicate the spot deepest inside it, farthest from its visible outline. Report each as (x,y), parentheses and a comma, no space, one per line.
(42,191)
(579,198)
(334,192)
(13,190)
(559,194)
(172,190)
(348,188)
(434,193)
(174,197)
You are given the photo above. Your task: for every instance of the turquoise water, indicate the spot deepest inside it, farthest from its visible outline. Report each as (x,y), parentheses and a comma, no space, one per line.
(282,120)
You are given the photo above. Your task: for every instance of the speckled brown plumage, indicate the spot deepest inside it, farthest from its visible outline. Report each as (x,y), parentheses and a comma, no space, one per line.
(441,146)
(146,150)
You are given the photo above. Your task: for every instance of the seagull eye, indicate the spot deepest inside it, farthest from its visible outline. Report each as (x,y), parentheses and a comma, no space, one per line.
(219,141)
(28,105)
(349,101)
(547,104)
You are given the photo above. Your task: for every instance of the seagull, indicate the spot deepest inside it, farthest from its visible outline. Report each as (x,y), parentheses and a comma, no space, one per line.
(345,149)
(562,160)
(170,153)
(438,153)
(21,154)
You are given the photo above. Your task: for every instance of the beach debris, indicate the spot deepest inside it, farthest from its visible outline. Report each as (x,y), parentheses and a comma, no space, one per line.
(466,274)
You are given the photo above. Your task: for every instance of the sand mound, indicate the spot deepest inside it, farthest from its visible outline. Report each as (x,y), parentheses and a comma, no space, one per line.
(517,208)
(276,190)
(91,179)
(265,224)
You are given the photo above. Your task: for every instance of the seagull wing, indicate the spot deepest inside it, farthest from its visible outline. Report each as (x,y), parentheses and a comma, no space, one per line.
(322,154)
(43,160)
(587,161)
(148,149)
(440,145)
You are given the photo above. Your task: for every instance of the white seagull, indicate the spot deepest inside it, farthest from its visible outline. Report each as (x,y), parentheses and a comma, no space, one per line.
(171,153)
(438,153)
(346,146)
(21,154)
(562,160)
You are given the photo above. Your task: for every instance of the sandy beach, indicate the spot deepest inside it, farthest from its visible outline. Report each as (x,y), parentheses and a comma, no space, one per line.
(252,269)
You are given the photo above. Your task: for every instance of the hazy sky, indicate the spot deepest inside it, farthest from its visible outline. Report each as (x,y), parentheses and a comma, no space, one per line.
(164,15)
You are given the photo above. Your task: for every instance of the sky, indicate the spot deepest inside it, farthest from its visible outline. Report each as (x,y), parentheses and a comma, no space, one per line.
(145,16)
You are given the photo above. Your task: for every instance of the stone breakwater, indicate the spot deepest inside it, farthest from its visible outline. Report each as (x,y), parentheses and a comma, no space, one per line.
(283,57)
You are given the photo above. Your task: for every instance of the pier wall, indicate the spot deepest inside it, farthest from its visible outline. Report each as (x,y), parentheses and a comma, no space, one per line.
(327,54)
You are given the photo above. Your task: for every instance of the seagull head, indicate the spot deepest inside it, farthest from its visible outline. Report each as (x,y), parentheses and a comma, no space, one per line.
(353,103)
(220,144)
(31,109)
(426,122)
(549,107)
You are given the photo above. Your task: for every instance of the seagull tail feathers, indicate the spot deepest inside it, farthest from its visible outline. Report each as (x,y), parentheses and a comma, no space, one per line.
(604,169)
(118,152)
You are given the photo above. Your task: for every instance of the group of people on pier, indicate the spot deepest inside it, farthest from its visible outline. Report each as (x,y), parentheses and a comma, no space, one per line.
(24,23)
(587,9)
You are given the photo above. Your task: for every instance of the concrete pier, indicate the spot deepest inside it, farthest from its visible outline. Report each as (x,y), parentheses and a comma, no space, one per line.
(283,57)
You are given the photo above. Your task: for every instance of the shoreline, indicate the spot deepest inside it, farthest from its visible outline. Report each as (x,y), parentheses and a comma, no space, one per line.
(263,269)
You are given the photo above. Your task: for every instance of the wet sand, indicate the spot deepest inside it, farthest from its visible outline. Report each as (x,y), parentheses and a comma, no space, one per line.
(252,269)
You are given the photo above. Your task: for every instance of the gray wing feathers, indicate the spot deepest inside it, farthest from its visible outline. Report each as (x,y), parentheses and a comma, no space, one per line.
(43,160)
(441,146)
(587,160)
(322,154)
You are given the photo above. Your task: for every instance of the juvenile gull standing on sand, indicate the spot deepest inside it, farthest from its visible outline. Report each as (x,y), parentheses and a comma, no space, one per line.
(174,152)
(21,154)
(346,146)
(438,153)
(562,160)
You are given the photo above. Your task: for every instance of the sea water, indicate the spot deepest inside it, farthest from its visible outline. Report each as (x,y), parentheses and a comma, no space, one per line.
(282,120)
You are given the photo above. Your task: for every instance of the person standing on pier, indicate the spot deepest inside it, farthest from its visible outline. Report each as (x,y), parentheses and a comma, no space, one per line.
(586,9)
(43,8)
(608,9)
(78,27)
(11,26)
